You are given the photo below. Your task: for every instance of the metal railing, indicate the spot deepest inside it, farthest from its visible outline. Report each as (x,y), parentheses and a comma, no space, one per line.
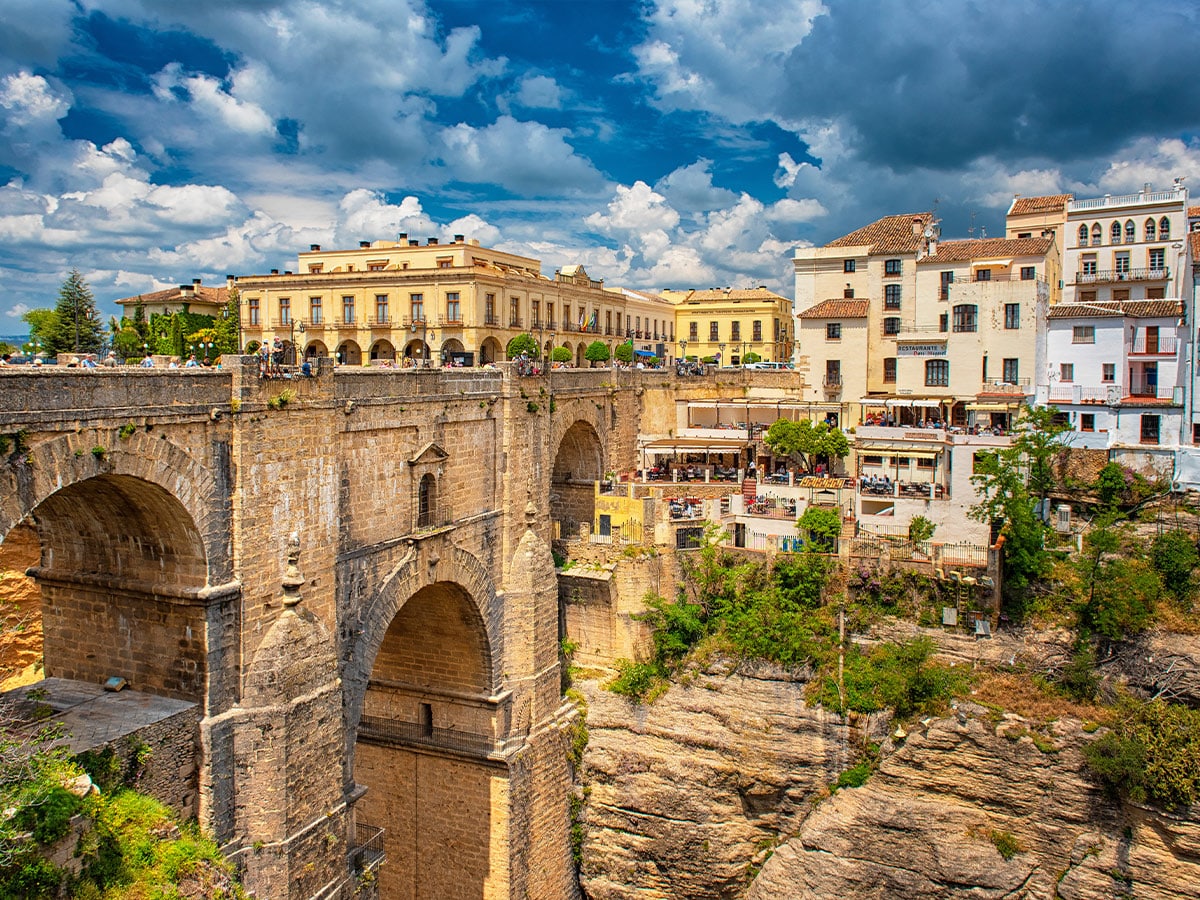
(1105,276)
(423,736)
(832,381)
(1124,200)
(1081,393)
(366,854)
(379,322)
(1143,345)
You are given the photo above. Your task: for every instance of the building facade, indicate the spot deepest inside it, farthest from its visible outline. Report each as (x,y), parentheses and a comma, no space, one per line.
(731,323)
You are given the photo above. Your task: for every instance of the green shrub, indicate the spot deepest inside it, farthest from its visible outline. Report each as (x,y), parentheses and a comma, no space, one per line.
(1079,679)
(640,682)
(1175,558)
(920,529)
(897,676)
(49,818)
(1152,753)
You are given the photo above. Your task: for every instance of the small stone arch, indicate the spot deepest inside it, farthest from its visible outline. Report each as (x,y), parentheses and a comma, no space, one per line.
(416,351)
(490,351)
(382,349)
(349,353)
(580,357)
(315,349)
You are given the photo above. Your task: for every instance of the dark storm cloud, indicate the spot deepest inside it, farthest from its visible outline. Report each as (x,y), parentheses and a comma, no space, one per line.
(938,84)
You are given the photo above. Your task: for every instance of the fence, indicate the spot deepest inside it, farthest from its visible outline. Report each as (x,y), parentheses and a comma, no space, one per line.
(425,736)
(367,852)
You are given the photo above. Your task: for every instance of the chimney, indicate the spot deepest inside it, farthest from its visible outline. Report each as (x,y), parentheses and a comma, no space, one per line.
(187,288)
(918,226)
(229,280)
(433,242)
(459,238)
(402,236)
(363,245)
(195,281)
(287,271)
(274,271)
(314,247)
(1146,188)
(414,242)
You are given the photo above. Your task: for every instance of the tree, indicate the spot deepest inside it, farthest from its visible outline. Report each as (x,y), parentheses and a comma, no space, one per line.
(823,526)
(597,351)
(42,324)
(1041,434)
(560,355)
(920,529)
(1175,558)
(1119,587)
(804,441)
(751,357)
(624,352)
(79,327)
(523,343)
(227,328)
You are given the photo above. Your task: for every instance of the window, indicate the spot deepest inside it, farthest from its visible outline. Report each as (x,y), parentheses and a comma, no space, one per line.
(348,310)
(381,308)
(314,310)
(1150,229)
(833,331)
(756,331)
(1120,294)
(426,501)
(489,310)
(1012,316)
(252,310)
(1109,372)
(1087,296)
(1066,372)
(453,307)
(833,373)
(1028,273)
(1089,264)
(848,293)
(966,317)
(1083,235)
(535,310)
(947,280)
(847,265)
(1087,421)
(714,331)
(1121,261)
(1114,233)
(892,266)
(1157,258)
(1164,229)
(445,262)
(889,370)
(1130,232)
(315,268)
(1011,370)
(1156,293)
(944,322)
(693,330)
(983,274)
(514,313)
(418,307)
(891,296)
(1096,232)
(1150,429)
(285,310)
(735,331)
(1083,334)
(891,325)
(376,266)
(937,373)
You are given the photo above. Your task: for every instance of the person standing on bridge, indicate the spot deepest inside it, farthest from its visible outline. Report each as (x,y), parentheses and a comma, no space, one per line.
(148,362)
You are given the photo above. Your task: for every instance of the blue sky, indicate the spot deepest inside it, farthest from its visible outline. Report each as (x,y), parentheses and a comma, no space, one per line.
(663,144)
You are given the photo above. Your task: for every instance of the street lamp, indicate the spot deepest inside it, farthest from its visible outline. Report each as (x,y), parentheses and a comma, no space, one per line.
(721,353)
(683,349)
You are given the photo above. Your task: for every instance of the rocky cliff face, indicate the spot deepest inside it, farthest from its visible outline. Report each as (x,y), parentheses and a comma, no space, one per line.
(689,796)
(20,610)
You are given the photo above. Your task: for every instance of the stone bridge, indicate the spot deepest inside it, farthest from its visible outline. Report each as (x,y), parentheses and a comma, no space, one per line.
(395,665)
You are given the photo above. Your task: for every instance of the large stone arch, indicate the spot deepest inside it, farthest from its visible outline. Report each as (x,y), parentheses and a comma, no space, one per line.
(578,465)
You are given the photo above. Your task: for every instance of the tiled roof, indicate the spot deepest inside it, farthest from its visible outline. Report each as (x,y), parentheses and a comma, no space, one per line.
(1194,240)
(891,234)
(721,294)
(1024,206)
(199,292)
(986,248)
(837,309)
(1138,309)
(1194,212)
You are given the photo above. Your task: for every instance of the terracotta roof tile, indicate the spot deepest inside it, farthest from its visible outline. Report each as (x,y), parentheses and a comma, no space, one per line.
(202,293)
(1138,309)
(1194,240)
(1194,212)
(986,248)
(1024,206)
(837,309)
(712,295)
(891,234)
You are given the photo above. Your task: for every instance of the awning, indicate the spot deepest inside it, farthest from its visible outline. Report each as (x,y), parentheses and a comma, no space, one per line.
(643,352)
(912,402)
(695,445)
(874,401)
(993,407)
(894,451)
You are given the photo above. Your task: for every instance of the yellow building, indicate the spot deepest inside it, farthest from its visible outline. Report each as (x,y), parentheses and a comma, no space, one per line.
(732,323)
(456,303)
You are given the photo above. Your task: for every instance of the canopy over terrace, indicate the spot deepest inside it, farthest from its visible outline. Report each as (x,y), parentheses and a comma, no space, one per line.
(652,451)
(897,406)
(754,413)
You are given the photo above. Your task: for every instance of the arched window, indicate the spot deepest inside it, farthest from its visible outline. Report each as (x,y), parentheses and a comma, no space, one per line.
(1130,232)
(1150,229)
(1096,232)
(1164,229)
(1115,233)
(427,502)
(1083,235)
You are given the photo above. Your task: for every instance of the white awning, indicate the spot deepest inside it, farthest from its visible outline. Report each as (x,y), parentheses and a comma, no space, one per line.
(874,401)
(993,407)
(911,402)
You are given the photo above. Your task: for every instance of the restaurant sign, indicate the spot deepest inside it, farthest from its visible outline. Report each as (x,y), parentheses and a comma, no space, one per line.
(912,349)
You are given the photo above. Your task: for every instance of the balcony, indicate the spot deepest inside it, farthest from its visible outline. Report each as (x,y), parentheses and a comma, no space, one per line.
(493,320)
(366,853)
(451,321)
(347,325)
(1141,198)
(1111,276)
(383,321)
(1001,383)
(1149,345)
(1066,392)
(310,324)
(514,321)
(832,381)
(418,320)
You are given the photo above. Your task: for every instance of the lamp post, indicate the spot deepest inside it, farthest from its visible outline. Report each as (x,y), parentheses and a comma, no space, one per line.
(683,350)
(721,353)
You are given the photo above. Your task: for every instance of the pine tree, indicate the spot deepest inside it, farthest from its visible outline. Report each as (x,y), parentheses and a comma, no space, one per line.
(79,327)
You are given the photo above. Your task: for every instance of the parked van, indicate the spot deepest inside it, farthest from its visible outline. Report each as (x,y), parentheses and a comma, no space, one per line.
(768,365)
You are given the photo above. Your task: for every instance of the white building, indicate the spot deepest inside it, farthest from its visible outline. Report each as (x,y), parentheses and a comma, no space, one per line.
(1119,371)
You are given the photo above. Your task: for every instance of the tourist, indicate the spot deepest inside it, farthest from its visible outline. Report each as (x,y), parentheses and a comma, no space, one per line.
(148,362)
(191,363)
(110,361)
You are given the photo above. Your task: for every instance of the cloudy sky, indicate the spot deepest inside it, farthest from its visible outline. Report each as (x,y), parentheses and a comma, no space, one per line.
(662,143)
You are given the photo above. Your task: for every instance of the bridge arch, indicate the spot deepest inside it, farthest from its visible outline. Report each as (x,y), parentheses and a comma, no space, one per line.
(426,723)
(578,464)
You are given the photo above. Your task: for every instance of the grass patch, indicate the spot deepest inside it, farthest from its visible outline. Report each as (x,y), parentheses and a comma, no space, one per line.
(1005,843)
(1030,698)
